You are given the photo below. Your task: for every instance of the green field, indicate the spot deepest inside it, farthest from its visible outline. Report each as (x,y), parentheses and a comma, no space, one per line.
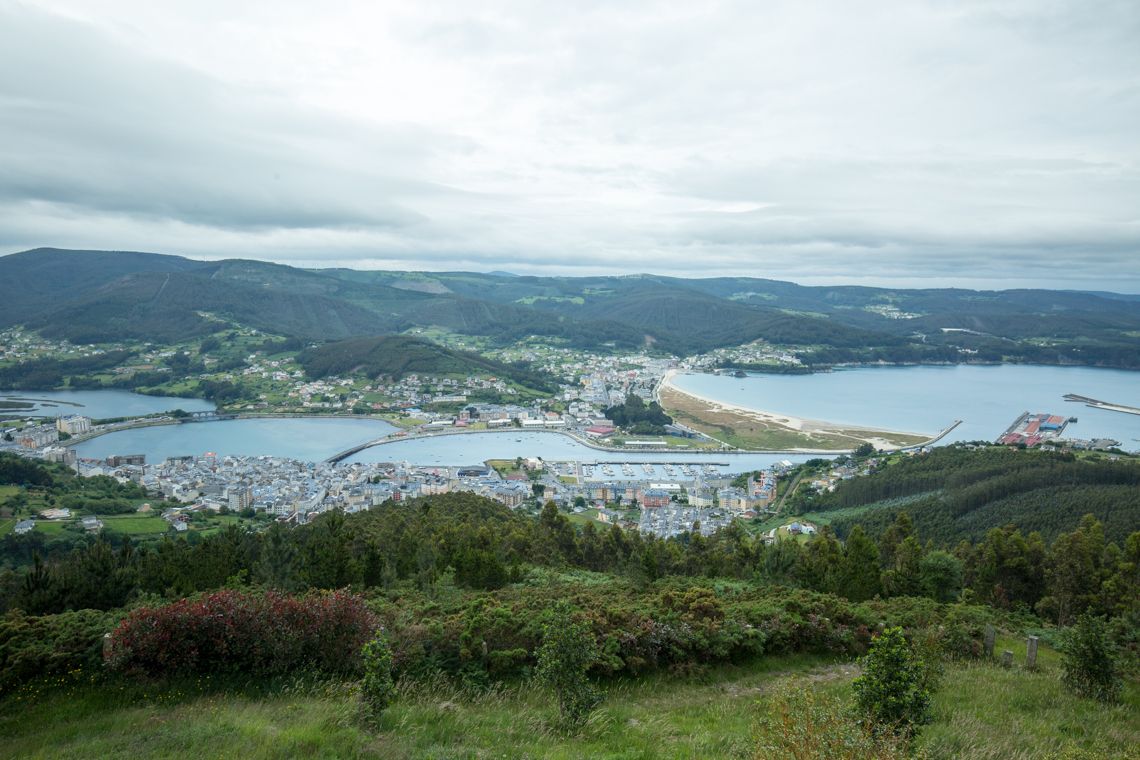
(137,525)
(982,711)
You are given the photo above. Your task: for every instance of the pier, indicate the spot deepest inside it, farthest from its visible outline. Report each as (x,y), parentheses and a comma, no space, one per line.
(1095,404)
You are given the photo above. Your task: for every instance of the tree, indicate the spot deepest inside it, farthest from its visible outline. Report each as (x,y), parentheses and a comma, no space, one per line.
(102,578)
(649,564)
(567,652)
(280,559)
(860,578)
(893,691)
(1071,571)
(377,691)
(40,592)
(777,564)
(329,563)
(819,564)
(864,450)
(1088,662)
(941,576)
(904,576)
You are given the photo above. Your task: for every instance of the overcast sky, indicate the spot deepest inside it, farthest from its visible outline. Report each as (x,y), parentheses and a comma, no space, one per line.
(906,143)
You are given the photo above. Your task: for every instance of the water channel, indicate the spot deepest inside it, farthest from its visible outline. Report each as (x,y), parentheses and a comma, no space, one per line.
(926,399)
(99,404)
(914,399)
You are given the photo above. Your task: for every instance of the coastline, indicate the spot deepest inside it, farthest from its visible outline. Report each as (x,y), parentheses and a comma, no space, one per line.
(802,425)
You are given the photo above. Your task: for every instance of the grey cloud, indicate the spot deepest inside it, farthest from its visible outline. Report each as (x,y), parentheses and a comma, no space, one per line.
(965,141)
(92,126)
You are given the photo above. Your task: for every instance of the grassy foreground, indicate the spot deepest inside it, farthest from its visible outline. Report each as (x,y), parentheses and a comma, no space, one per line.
(984,711)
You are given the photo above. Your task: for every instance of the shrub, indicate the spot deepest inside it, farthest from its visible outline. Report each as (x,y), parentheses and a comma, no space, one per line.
(239,631)
(800,723)
(567,652)
(894,689)
(376,690)
(39,646)
(1088,662)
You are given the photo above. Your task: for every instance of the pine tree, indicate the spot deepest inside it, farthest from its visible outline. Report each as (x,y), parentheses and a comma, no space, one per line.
(860,575)
(280,559)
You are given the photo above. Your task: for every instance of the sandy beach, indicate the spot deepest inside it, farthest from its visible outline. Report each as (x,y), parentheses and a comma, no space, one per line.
(878,437)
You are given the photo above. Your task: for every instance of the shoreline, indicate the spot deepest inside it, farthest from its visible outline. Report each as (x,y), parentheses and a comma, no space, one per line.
(795,423)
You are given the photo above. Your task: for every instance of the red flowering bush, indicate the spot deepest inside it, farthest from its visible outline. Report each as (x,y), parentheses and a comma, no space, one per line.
(239,631)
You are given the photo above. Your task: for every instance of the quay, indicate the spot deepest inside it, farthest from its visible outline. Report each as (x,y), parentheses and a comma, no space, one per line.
(1095,404)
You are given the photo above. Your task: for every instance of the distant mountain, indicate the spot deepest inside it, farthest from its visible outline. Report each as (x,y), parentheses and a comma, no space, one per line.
(397,356)
(166,306)
(107,295)
(36,280)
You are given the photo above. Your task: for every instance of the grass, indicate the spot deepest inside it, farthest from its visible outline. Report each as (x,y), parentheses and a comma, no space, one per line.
(137,525)
(982,711)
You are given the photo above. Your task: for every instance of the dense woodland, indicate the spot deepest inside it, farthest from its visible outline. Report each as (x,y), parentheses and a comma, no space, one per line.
(396,356)
(954,494)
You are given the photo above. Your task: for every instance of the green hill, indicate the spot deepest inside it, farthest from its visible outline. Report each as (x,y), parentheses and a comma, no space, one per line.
(953,494)
(36,280)
(397,356)
(107,295)
(165,307)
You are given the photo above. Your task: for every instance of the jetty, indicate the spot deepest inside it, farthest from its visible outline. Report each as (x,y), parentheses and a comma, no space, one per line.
(1095,404)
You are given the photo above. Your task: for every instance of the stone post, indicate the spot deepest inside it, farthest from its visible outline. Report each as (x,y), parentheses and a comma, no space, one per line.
(106,644)
(1031,654)
(1007,658)
(988,649)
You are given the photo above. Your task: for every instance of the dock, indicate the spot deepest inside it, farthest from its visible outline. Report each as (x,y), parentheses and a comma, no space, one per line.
(1095,404)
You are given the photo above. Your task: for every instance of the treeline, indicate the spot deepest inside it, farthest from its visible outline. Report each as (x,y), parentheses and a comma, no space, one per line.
(768,369)
(43,374)
(638,417)
(19,471)
(480,544)
(904,354)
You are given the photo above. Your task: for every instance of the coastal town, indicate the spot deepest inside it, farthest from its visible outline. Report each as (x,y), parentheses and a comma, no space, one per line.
(665,499)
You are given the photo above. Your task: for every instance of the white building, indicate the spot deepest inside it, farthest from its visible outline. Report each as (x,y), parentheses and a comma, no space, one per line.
(73,424)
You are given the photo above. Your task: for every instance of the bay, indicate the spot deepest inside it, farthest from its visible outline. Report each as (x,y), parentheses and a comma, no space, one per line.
(101,404)
(927,399)
(307,440)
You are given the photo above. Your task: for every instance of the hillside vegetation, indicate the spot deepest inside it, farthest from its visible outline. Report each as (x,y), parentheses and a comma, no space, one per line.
(687,633)
(966,494)
(90,296)
(396,356)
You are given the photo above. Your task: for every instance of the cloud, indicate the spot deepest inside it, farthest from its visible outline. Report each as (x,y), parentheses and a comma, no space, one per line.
(966,142)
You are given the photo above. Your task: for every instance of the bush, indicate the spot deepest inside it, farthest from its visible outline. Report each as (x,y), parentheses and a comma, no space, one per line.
(567,652)
(237,631)
(376,690)
(1088,662)
(895,689)
(800,723)
(33,647)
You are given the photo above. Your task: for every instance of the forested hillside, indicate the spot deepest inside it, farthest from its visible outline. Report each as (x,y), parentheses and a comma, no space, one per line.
(965,494)
(91,296)
(396,356)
